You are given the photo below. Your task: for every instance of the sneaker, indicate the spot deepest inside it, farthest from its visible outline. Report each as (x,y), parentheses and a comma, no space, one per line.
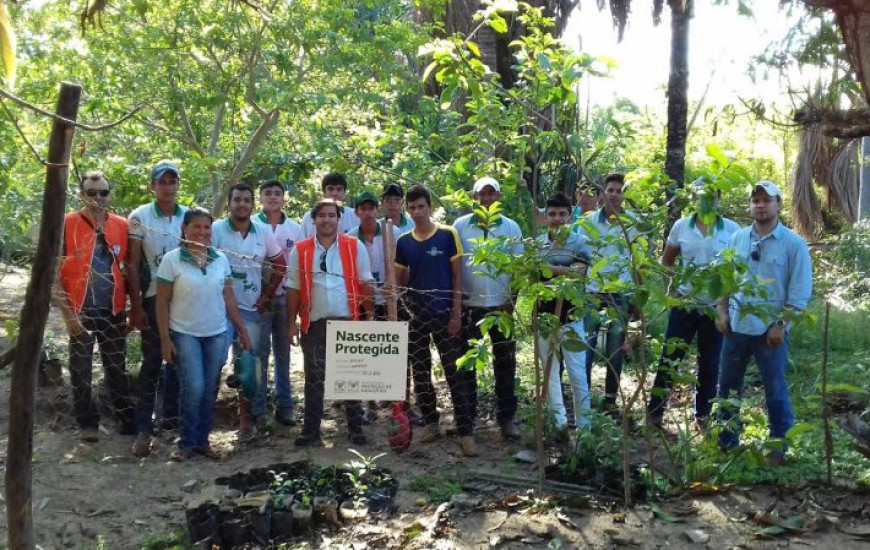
(510,431)
(357,438)
(89,435)
(308,440)
(142,446)
(430,433)
(467,445)
(285,417)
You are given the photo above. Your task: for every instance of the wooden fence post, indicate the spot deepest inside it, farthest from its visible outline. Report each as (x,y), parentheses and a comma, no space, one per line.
(19,473)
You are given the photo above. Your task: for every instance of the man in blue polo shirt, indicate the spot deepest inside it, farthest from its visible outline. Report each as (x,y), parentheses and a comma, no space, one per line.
(780,260)
(429,267)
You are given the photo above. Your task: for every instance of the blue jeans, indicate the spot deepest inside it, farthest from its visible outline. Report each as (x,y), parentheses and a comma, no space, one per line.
(736,352)
(253,323)
(199,364)
(576,367)
(273,336)
(683,325)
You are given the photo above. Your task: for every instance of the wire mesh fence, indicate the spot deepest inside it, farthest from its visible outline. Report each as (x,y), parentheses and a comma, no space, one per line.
(482,371)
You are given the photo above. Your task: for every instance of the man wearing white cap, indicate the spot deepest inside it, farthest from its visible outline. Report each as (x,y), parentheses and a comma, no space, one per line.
(485,293)
(694,240)
(780,260)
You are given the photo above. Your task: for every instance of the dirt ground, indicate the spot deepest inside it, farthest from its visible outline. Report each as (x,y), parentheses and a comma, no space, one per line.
(100,496)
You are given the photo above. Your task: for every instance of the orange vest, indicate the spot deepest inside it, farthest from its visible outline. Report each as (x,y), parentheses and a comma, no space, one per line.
(79,234)
(347,249)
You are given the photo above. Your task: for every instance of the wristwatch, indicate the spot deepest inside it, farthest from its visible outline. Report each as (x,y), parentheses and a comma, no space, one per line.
(780,322)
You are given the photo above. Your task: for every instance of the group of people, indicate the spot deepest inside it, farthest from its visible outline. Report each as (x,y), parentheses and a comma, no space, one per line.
(260,282)
(753,322)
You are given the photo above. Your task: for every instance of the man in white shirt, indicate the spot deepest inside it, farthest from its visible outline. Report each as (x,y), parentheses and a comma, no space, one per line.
(392,200)
(695,240)
(610,287)
(250,248)
(155,229)
(333,186)
(329,278)
(485,293)
(273,334)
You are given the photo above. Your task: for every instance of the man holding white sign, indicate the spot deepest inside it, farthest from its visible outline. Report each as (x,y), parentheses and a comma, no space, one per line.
(329,278)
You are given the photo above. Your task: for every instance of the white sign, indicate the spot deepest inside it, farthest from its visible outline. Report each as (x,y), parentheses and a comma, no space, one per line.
(366,360)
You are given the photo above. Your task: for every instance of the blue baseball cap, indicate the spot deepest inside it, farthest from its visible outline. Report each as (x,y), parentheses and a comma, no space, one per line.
(163,167)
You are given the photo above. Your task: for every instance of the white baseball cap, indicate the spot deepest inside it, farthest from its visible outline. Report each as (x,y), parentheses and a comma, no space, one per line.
(768,187)
(486,182)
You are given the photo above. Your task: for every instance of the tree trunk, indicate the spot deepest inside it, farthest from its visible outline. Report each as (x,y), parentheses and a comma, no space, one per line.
(678,86)
(853,19)
(19,473)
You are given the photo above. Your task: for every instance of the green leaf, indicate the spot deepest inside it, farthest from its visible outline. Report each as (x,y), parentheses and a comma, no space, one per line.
(472,47)
(718,155)
(7,46)
(498,24)
(431,67)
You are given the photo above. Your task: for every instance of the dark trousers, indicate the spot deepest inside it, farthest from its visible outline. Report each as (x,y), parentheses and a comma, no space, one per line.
(504,363)
(314,361)
(683,325)
(462,382)
(613,355)
(152,371)
(108,331)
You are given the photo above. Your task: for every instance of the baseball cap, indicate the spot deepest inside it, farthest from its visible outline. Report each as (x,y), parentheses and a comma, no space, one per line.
(699,184)
(365,196)
(163,167)
(486,181)
(768,186)
(393,190)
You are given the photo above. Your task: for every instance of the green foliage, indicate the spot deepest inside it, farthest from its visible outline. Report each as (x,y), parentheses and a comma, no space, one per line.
(177,540)
(437,489)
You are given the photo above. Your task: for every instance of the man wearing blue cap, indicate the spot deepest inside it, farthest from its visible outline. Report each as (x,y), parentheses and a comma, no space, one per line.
(155,229)
(779,259)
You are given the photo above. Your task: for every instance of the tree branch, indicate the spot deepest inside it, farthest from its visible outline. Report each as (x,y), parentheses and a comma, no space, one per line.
(48,114)
(185,121)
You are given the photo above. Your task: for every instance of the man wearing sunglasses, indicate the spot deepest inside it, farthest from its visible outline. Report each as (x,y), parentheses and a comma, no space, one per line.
(155,229)
(92,296)
(328,278)
(756,325)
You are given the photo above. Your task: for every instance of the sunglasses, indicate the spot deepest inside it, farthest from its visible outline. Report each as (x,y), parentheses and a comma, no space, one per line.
(755,251)
(95,192)
(323,262)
